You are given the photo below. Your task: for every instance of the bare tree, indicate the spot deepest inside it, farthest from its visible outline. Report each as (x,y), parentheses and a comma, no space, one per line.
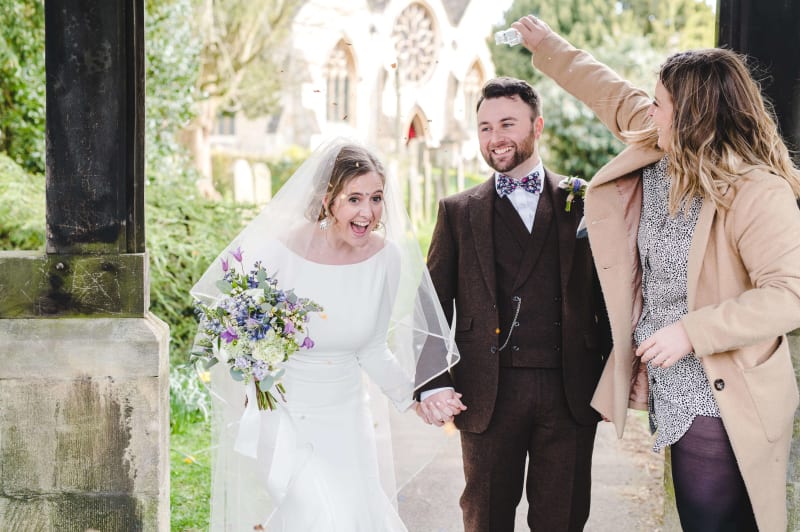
(240,66)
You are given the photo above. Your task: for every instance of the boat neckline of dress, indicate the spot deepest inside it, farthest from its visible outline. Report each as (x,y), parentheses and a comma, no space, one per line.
(293,252)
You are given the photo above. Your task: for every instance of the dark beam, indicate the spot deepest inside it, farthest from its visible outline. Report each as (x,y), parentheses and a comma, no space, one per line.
(768,31)
(95,117)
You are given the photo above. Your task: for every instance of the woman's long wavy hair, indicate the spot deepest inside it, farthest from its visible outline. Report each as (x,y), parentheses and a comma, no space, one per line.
(720,123)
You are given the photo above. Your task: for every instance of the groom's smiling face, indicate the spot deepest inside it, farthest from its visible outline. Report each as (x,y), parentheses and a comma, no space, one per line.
(508,135)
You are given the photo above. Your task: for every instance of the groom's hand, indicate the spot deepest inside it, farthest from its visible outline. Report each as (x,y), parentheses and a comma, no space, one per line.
(441,407)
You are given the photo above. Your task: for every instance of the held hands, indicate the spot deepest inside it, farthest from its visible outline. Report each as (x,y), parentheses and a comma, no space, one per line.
(441,407)
(666,346)
(533,31)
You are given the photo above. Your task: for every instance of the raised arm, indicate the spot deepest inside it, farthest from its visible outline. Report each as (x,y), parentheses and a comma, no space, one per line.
(618,104)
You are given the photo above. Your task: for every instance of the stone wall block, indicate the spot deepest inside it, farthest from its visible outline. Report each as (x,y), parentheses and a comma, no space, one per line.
(793,474)
(84,424)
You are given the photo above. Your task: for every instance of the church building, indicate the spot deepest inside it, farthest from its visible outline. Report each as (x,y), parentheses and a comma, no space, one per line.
(403,76)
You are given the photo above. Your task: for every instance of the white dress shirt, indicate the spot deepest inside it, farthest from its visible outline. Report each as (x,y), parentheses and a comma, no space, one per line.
(524,202)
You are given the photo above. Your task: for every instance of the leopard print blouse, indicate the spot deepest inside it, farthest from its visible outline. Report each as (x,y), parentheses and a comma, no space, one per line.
(680,392)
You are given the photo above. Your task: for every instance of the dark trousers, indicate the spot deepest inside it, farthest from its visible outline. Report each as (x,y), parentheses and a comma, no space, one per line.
(709,489)
(530,419)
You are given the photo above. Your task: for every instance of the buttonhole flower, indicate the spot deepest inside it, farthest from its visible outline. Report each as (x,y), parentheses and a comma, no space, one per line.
(575,186)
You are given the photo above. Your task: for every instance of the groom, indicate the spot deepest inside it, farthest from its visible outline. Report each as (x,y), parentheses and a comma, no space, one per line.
(530,327)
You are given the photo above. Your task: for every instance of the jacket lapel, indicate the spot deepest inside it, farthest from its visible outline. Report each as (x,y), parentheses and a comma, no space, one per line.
(481,212)
(567,225)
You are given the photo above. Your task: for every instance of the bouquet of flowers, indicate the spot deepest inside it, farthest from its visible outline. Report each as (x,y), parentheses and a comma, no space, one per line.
(253,328)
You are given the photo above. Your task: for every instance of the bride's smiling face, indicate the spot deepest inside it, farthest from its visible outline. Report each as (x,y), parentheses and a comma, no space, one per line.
(358,208)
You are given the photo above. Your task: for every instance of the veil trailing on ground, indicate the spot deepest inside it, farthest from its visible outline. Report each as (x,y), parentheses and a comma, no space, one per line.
(419,338)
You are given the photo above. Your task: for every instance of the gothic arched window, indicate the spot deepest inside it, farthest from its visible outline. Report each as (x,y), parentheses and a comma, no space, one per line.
(473,82)
(340,71)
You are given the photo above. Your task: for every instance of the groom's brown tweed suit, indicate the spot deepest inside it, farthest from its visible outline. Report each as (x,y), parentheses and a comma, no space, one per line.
(530,398)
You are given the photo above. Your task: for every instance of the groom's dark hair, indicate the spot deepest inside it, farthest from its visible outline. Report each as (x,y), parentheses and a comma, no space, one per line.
(505,87)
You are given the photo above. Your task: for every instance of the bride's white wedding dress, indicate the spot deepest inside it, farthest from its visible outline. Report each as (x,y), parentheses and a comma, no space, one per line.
(317,454)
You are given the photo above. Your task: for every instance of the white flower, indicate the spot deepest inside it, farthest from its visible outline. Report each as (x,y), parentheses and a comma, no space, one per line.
(257,294)
(269,349)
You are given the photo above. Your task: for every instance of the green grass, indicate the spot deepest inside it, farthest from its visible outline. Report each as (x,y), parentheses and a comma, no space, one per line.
(190,478)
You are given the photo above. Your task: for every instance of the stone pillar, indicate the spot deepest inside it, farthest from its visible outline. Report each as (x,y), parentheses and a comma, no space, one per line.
(84,427)
(793,475)
(84,423)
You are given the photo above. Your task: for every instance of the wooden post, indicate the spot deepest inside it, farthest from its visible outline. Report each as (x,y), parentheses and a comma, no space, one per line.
(768,31)
(95,169)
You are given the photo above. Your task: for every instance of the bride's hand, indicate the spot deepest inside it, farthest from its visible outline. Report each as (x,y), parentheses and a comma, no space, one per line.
(441,407)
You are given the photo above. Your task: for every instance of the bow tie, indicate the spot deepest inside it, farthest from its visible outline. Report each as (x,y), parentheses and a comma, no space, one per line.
(506,185)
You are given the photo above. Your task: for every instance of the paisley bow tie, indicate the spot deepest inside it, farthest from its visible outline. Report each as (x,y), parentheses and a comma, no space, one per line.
(506,185)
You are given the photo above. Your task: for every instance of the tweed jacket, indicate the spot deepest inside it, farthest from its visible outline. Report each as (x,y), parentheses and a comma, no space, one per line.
(462,266)
(743,285)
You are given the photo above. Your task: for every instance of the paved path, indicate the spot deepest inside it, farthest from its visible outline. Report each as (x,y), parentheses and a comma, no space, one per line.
(626,489)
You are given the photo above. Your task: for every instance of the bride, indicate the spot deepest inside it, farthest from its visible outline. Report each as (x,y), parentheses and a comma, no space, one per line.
(324,460)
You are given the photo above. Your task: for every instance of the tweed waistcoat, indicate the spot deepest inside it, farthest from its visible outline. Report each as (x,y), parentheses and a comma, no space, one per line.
(527,266)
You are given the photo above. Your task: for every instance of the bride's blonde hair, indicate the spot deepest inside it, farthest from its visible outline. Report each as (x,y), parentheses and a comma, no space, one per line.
(720,122)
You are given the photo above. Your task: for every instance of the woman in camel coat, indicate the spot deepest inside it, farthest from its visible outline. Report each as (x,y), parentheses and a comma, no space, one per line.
(729,240)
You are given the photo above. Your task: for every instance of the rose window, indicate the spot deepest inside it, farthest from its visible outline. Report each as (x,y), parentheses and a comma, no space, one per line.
(415,43)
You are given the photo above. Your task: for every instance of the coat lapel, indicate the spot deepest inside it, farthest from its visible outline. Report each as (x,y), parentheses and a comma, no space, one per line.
(481,213)
(702,232)
(630,160)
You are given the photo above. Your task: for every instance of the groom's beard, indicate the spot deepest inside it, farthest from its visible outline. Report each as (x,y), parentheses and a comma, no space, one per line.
(522,152)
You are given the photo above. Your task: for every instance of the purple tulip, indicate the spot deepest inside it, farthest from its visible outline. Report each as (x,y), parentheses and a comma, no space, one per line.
(224,265)
(238,254)
(288,327)
(229,335)
(308,343)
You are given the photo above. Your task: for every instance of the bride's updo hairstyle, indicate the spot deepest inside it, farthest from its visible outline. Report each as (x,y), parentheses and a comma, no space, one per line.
(352,161)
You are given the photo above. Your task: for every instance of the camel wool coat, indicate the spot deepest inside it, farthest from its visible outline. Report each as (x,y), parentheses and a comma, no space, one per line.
(743,285)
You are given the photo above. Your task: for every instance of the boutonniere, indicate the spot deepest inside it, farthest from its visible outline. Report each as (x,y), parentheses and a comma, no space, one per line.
(575,186)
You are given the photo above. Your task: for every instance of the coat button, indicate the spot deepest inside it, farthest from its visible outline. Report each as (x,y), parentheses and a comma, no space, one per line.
(493,349)
(719,384)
